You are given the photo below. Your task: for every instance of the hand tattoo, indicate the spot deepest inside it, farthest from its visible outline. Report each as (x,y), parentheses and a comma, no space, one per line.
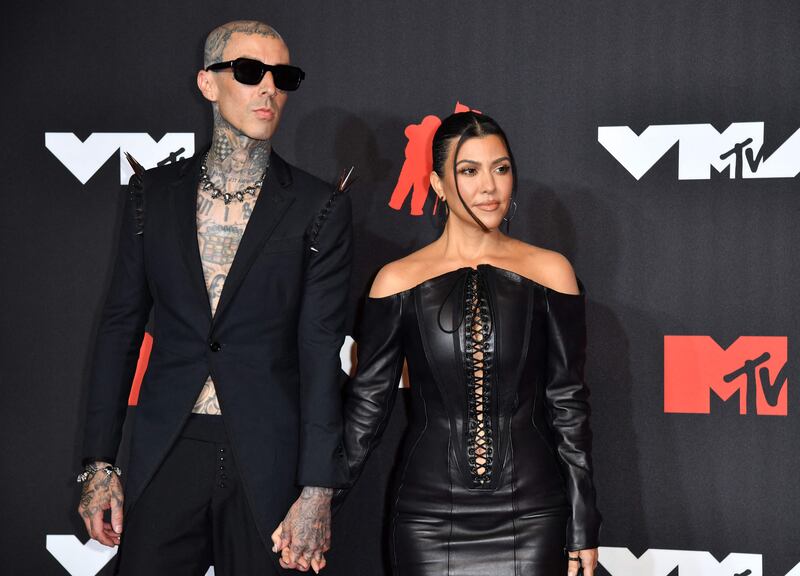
(308,523)
(99,493)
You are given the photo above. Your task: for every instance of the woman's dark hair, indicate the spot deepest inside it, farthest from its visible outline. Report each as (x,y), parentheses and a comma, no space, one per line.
(463,126)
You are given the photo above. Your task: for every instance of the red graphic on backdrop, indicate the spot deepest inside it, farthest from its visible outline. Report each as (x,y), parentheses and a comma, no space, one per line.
(141,368)
(753,366)
(415,175)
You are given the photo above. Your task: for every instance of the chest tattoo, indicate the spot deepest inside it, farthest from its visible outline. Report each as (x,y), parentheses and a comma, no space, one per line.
(219,232)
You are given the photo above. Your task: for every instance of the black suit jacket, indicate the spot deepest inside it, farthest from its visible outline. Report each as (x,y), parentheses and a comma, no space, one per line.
(272,346)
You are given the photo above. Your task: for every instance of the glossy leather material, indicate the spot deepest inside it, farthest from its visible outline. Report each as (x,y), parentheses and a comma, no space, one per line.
(539,498)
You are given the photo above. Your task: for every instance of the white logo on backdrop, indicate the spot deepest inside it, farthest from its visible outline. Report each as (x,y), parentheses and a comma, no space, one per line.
(347,356)
(85,158)
(79,559)
(700,147)
(83,559)
(622,562)
(88,559)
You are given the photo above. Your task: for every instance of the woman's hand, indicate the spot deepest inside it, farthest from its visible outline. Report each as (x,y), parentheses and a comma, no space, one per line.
(586,559)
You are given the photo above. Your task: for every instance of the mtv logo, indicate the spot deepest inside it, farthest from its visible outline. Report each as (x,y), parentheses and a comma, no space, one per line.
(702,147)
(753,366)
(622,562)
(85,158)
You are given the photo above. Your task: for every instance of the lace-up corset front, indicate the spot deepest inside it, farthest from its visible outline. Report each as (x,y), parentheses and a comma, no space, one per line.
(479,355)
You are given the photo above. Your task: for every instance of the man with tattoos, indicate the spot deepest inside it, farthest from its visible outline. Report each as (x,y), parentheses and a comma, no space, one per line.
(244,261)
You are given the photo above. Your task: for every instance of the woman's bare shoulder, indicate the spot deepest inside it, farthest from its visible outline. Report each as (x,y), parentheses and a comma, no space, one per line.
(402,274)
(546,267)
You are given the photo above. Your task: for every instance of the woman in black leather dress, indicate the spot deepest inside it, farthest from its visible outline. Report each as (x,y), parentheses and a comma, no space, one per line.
(496,473)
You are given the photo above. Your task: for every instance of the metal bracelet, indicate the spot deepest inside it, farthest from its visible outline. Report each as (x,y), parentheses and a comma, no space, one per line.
(91,469)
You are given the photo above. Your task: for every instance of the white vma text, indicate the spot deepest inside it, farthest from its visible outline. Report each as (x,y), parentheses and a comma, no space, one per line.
(76,558)
(83,559)
(655,562)
(738,149)
(88,559)
(85,158)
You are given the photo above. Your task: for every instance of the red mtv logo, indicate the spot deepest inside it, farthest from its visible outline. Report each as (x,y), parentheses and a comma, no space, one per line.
(753,366)
(415,175)
(141,368)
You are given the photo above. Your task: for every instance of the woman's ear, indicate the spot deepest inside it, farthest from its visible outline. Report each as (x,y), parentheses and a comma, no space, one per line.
(437,185)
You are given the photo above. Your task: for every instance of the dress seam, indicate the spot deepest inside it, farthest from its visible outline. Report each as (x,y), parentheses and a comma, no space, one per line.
(401,483)
(513,500)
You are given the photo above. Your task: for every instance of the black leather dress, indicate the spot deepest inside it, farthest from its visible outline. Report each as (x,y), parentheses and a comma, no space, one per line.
(496,473)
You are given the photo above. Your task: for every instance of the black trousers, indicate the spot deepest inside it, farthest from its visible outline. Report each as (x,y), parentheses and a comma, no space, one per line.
(194,514)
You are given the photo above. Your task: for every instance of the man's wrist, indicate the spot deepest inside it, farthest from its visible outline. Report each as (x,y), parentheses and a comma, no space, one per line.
(316,492)
(90,470)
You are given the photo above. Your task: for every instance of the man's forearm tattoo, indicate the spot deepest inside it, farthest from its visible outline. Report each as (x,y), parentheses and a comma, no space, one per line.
(312,492)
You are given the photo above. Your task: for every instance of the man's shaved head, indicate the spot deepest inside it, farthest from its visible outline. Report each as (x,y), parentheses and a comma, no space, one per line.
(219,37)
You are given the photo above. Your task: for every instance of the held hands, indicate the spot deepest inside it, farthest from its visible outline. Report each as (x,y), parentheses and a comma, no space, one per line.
(305,534)
(100,493)
(588,561)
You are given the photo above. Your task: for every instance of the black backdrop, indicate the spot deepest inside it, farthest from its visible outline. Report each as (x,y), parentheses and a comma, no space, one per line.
(660,256)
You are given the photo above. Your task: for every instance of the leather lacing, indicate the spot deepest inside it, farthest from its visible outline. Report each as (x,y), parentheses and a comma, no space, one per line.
(477,317)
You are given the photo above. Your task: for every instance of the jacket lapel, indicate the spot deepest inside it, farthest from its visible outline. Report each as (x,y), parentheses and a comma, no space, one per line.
(272,203)
(184,198)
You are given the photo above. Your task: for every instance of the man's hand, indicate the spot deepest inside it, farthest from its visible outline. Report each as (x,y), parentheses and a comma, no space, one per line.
(588,561)
(305,534)
(100,493)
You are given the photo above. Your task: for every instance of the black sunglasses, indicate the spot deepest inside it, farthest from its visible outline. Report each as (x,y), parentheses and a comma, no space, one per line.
(249,71)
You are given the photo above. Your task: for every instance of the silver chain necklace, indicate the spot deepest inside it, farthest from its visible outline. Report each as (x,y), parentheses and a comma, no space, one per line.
(227,197)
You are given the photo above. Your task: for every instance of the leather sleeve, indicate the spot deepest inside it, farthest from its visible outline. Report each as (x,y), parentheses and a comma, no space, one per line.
(321,331)
(369,396)
(119,335)
(568,402)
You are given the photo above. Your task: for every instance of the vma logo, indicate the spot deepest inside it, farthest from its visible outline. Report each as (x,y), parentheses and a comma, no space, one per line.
(739,150)
(83,559)
(753,367)
(85,158)
(622,562)
(415,175)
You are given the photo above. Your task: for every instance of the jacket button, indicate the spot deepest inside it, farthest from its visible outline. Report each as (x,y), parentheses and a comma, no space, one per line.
(215,346)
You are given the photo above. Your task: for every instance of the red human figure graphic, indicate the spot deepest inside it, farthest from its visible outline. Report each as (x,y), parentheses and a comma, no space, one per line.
(417,167)
(464,108)
(415,175)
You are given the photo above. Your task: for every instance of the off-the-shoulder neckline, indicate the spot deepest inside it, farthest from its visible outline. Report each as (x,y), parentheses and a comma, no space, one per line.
(503,271)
